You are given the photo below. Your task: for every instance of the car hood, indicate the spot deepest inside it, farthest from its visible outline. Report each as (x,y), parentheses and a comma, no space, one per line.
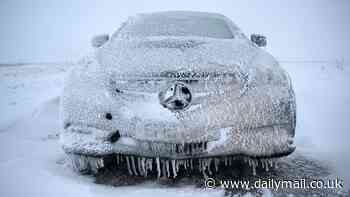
(140,56)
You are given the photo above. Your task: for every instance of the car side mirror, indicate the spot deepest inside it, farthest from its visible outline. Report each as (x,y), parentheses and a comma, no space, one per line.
(99,40)
(259,40)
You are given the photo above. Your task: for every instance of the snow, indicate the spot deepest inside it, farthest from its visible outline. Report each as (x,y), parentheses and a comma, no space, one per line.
(322,111)
(35,87)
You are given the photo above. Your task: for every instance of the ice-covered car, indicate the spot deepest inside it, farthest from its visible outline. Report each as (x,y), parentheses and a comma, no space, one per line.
(179,90)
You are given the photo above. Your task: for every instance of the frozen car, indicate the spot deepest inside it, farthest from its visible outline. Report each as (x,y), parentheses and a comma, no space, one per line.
(172,91)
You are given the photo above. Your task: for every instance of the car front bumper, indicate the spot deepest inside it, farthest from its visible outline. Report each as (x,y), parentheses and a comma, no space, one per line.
(269,141)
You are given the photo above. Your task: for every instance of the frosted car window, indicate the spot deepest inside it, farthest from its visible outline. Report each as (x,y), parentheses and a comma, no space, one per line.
(175,25)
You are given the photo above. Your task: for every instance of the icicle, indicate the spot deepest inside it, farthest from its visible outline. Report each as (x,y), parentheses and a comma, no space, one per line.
(97,163)
(193,148)
(254,168)
(229,161)
(276,165)
(150,164)
(75,162)
(208,166)
(128,165)
(133,165)
(225,161)
(262,164)
(139,166)
(202,167)
(191,164)
(216,163)
(80,163)
(93,163)
(143,166)
(147,167)
(173,165)
(158,166)
(267,165)
(163,168)
(178,163)
(271,163)
(167,168)
(100,163)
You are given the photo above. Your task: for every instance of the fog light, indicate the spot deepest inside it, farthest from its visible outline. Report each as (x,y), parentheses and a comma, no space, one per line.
(115,137)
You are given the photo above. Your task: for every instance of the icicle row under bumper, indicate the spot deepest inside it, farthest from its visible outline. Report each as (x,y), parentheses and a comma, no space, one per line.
(160,167)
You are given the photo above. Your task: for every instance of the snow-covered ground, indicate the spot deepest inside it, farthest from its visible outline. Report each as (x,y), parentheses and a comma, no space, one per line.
(32,162)
(323,112)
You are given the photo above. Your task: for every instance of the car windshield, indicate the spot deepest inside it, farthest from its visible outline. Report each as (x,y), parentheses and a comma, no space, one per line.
(175,24)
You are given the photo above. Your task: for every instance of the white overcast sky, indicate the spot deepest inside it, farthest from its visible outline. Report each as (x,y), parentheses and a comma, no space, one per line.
(60,30)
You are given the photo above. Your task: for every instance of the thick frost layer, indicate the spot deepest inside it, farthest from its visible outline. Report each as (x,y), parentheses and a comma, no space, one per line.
(177,24)
(234,86)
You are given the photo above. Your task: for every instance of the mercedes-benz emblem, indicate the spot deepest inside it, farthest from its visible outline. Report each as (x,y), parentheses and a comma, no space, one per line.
(175,97)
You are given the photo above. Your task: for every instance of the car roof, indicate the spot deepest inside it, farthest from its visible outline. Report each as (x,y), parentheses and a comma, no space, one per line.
(183,13)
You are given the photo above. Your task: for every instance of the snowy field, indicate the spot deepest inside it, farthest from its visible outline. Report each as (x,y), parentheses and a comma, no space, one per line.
(33,164)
